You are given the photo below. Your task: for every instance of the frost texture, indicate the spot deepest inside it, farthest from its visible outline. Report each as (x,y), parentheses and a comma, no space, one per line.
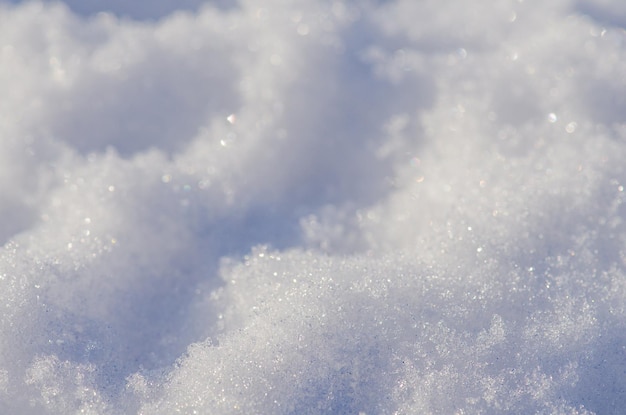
(382,207)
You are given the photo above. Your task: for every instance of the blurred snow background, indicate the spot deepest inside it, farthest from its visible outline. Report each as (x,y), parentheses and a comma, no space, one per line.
(302,207)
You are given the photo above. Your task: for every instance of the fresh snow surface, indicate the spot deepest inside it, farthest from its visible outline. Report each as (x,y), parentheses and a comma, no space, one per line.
(313,207)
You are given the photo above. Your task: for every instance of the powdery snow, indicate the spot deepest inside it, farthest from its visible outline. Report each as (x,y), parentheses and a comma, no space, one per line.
(307,207)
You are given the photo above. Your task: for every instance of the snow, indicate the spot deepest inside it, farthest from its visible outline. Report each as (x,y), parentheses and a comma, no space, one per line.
(303,207)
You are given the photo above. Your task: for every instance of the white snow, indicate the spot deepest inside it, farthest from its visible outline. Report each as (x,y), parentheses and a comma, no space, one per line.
(312,207)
